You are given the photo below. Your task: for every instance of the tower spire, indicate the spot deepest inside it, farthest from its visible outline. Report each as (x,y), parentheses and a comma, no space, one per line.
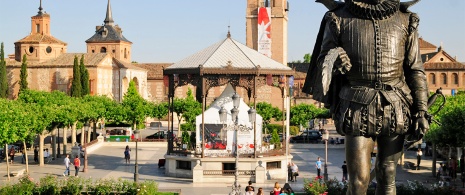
(108,19)
(40,8)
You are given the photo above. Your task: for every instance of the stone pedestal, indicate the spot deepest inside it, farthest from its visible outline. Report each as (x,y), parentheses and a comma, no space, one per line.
(197,175)
(75,151)
(260,173)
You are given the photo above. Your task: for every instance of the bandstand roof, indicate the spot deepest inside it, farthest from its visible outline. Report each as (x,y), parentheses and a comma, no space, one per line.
(228,57)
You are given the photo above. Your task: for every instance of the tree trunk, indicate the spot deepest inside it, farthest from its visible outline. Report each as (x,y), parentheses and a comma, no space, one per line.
(41,149)
(65,139)
(434,160)
(54,142)
(7,163)
(89,133)
(94,136)
(25,157)
(82,135)
(73,133)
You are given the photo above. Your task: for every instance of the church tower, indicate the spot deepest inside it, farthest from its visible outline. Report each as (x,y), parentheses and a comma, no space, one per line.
(269,36)
(39,45)
(109,38)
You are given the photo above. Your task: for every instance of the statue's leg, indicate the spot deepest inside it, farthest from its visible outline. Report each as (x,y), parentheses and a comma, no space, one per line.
(358,157)
(389,151)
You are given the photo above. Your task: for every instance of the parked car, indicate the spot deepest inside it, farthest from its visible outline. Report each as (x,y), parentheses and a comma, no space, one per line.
(307,137)
(157,135)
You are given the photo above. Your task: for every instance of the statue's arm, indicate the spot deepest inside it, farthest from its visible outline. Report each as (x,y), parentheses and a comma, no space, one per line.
(414,70)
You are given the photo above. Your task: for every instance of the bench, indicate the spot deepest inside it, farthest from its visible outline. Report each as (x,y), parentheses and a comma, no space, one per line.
(17,173)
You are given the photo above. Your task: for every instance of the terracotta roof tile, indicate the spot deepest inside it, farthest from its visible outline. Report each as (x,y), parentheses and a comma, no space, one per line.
(66,59)
(127,65)
(40,38)
(300,69)
(425,44)
(155,70)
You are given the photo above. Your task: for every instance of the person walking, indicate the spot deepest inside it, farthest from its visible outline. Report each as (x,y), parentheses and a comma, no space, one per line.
(462,164)
(318,167)
(77,165)
(67,162)
(249,189)
(36,154)
(419,154)
(344,172)
(12,154)
(127,154)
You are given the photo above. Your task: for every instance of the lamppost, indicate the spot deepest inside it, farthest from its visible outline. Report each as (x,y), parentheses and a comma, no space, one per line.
(325,137)
(136,170)
(236,188)
(86,128)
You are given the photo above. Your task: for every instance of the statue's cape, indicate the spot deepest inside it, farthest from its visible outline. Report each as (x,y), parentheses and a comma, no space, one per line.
(314,82)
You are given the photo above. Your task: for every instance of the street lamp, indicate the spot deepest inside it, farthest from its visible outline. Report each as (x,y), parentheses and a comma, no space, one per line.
(86,128)
(136,171)
(326,137)
(252,117)
(236,188)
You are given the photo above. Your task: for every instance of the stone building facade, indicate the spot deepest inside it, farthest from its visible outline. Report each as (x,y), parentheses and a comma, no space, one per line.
(442,70)
(50,67)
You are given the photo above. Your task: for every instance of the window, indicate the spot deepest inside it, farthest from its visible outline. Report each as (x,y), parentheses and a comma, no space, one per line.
(38,28)
(93,51)
(432,78)
(114,51)
(455,78)
(442,59)
(229,166)
(49,49)
(31,49)
(103,50)
(125,54)
(186,165)
(444,78)
(273,165)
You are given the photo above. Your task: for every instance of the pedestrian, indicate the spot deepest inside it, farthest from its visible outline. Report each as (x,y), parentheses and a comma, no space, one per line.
(12,154)
(127,154)
(260,191)
(295,172)
(36,154)
(249,189)
(283,192)
(318,167)
(67,162)
(276,189)
(46,154)
(440,171)
(289,171)
(344,172)
(419,154)
(77,165)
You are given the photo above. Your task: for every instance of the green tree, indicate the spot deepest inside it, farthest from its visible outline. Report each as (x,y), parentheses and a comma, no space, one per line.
(4,90)
(307,58)
(84,77)
(134,106)
(302,113)
(187,108)
(76,88)
(23,85)
(159,111)
(268,112)
(100,106)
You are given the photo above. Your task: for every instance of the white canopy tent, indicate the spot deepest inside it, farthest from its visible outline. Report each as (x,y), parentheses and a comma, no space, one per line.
(219,137)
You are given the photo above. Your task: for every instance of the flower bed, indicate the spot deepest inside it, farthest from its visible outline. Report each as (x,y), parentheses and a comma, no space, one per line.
(51,185)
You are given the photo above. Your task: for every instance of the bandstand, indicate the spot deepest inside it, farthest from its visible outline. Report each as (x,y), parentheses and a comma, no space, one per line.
(236,66)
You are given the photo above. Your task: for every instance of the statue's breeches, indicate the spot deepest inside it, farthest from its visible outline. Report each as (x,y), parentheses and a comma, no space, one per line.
(372,117)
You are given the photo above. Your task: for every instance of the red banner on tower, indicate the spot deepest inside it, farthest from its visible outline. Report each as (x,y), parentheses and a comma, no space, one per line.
(264,31)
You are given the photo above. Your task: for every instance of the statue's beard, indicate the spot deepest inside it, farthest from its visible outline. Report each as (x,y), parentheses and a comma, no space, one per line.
(373,9)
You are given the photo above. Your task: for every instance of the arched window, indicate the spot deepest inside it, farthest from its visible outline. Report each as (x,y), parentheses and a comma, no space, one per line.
(432,78)
(125,54)
(444,78)
(103,50)
(455,78)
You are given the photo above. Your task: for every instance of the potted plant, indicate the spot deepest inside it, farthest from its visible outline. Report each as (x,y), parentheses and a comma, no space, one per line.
(185,139)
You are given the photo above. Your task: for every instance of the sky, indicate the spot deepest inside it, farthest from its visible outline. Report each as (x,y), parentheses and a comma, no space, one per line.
(171,30)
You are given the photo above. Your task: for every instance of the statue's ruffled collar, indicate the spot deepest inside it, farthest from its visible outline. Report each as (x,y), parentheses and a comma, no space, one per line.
(379,11)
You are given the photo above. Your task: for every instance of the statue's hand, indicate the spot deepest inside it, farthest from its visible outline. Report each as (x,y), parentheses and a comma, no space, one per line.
(342,64)
(420,125)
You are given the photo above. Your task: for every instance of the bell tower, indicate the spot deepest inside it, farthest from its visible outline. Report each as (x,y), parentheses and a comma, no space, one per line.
(275,30)
(109,38)
(39,45)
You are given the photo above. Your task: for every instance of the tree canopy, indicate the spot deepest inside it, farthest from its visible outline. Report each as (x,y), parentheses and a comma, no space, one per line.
(76,86)
(4,89)
(23,85)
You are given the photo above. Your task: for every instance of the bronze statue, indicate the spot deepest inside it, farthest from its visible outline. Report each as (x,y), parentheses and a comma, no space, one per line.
(366,67)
